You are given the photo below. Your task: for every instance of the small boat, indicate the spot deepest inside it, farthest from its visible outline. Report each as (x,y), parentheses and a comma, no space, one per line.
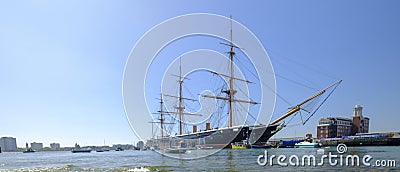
(306,144)
(238,145)
(81,151)
(119,149)
(181,149)
(78,149)
(102,149)
(28,149)
(260,146)
(175,150)
(204,147)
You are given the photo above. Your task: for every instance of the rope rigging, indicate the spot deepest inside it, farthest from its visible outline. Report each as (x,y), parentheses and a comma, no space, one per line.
(218,117)
(311,107)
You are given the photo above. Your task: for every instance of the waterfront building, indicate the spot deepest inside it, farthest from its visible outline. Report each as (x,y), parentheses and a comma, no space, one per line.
(333,127)
(37,146)
(8,144)
(55,146)
(360,123)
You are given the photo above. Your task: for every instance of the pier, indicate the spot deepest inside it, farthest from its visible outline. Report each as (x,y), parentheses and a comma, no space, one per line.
(365,139)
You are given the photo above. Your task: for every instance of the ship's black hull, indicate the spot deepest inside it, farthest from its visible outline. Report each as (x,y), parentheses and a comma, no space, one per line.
(218,138)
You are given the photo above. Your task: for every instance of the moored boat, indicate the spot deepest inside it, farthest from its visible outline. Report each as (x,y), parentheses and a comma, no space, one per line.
(81,150)
(224,137)
(238,145)
(119,149)
(225,134)
(176,150)
(260,146)
(78,149)
(28,149)
(306,144)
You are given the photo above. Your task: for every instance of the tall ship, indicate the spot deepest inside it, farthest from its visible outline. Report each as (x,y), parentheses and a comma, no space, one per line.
(223,136)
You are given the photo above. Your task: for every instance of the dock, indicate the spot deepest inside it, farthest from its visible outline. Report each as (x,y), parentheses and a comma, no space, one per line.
(365,139)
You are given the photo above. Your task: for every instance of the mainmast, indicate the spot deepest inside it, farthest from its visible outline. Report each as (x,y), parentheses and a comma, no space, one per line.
(231,91)
(180,97)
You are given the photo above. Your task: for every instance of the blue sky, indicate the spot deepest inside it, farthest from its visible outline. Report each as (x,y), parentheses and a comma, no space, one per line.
(62,62)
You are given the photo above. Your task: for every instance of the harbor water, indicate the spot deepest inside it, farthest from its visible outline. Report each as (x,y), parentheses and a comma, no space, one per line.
(224,160)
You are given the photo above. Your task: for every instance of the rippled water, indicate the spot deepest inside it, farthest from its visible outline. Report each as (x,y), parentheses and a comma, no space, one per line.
(224,160)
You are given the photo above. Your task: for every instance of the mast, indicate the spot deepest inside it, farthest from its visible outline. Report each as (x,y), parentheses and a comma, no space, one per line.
(231,91)
(180,108)
(180,100)
(231,53)
(161,116)
(161,120)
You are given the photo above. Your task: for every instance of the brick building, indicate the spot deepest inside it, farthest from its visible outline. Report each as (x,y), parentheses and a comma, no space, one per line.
(337,127)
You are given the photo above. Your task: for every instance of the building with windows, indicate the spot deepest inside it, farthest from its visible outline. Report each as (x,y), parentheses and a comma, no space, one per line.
(55,146)
(360,123)
(337,127)
(37,146)
(8,144)
(334,127)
